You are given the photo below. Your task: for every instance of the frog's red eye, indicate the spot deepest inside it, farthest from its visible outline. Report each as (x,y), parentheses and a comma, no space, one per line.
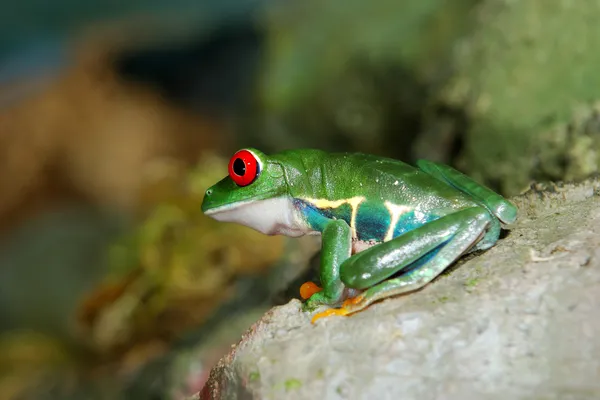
(244,168)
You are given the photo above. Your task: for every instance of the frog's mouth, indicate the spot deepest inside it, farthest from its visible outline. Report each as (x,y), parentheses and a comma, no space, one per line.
(212,212)
(213,203)
(270,216)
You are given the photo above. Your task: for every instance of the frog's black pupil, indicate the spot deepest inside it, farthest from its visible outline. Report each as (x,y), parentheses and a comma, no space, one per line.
(239,167)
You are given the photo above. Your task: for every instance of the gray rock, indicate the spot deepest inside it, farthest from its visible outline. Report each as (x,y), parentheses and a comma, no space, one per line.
(517,321)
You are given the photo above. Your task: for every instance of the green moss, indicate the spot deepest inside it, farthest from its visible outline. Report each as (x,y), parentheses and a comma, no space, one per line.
(443,299)
(254,376)
(292,384)
(320,373)
(472,282)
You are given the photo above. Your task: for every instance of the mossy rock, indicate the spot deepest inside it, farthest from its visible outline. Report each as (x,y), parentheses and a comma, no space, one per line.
(527,76)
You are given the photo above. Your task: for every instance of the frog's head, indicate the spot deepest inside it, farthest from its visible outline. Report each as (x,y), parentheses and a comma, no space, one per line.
(254,193)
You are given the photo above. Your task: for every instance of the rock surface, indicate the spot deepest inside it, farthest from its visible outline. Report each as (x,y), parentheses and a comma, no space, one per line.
(517,321)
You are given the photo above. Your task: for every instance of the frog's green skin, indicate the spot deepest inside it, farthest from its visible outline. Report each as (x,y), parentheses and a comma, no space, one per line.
(387,227)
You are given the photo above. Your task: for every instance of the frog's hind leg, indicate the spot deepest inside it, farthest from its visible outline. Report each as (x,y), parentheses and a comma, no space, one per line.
(453,235)
(503,209)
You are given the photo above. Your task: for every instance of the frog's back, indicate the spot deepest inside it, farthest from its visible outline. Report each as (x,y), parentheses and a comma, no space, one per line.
(383,180)
(380,198)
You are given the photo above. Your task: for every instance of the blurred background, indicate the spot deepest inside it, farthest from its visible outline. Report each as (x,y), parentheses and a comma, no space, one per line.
(116,116)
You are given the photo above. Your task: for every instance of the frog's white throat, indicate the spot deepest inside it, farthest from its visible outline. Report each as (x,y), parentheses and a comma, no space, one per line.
(276,216)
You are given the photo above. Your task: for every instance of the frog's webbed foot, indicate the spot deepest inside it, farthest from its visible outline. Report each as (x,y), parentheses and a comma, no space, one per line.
(308,291)
(318,299)
(313,293)
(315,296)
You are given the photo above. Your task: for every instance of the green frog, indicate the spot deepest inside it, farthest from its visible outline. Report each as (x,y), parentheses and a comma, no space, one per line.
(386,227)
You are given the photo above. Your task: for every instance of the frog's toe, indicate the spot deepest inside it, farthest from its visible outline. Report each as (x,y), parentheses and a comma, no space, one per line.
(355,304)
(350,306)
(329,312)
(308,289)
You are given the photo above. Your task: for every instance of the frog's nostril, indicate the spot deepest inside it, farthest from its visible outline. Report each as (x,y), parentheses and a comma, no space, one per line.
(209,192)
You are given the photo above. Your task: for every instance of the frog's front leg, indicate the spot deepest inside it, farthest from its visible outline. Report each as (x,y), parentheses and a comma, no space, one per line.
(335,249)
(423,253)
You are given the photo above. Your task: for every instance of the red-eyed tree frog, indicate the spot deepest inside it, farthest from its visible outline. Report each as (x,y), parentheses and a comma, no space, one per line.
(386,227)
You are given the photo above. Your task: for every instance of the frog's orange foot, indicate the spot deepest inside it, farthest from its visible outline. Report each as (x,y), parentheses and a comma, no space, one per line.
(308,289)
(349,306)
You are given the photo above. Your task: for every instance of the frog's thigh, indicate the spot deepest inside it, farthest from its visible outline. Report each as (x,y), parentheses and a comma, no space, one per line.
(498,205)
(462,230)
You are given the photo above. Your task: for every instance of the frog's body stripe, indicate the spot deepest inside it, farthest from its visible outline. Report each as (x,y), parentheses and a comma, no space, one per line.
(325,204)
(370,222)
(396,212)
